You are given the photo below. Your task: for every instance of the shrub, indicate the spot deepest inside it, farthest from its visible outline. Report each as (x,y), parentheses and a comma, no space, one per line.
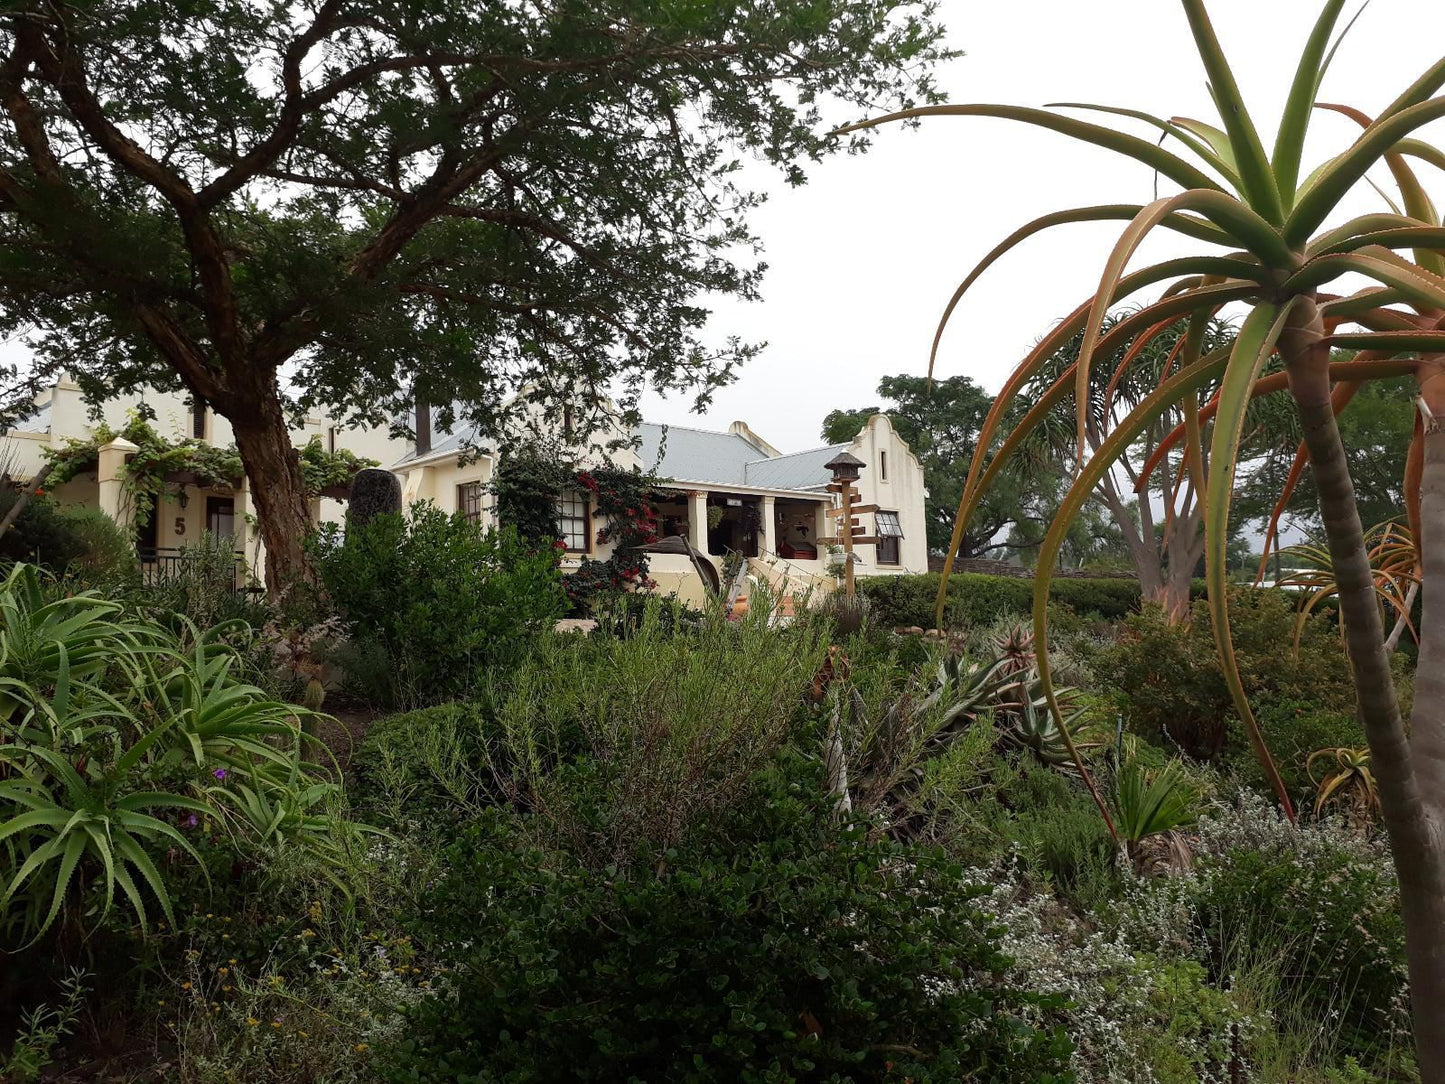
(1320,903)
(424,764)
(771,944)
(1168,678)
(976,599)
(444,599)
(83,542)
(116,741)
(107,560)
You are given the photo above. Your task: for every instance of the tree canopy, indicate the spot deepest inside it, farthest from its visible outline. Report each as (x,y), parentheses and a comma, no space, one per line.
(435,198)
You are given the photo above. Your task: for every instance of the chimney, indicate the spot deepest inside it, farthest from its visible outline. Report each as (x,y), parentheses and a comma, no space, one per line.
(423,425)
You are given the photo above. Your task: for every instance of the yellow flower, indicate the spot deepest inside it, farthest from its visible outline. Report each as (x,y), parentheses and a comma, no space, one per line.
(362,1048)
(185,986)
(251,1021)
(223,971)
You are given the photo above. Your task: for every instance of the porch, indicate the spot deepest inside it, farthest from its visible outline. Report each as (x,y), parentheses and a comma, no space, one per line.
(774,532)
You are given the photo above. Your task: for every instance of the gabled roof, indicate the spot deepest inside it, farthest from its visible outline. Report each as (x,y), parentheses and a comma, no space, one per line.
(38,421)
(684,454)
(695,455)
(801,470)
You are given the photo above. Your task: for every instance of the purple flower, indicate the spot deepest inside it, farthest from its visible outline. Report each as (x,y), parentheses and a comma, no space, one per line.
(220,773)
(192,821)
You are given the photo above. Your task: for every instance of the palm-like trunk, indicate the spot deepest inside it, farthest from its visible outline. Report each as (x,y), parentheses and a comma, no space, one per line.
(1402,766)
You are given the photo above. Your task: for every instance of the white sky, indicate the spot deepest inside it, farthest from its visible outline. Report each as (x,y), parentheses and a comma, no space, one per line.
(863,258)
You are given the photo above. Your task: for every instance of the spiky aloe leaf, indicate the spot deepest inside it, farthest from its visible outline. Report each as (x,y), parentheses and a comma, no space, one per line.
(1256,342)
(1289,143)
(1257,180)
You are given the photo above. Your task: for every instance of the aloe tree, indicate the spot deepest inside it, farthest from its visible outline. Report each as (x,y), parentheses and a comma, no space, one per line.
(1271,252)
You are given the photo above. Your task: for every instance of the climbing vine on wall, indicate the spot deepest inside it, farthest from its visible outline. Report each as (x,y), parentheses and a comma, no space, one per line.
(159,462)
(528,485)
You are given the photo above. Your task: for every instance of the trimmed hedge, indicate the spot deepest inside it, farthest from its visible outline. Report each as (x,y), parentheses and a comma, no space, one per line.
(973,598)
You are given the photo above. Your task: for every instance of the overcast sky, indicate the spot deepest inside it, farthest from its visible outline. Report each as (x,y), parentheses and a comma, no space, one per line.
(863,258)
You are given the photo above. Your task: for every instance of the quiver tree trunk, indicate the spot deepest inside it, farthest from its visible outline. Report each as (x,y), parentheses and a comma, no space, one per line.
(1408,771)
(278,490)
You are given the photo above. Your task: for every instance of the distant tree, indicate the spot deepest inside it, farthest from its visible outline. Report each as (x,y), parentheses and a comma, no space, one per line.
(941,426)
(441,198)
(1376,427)
(1161,525)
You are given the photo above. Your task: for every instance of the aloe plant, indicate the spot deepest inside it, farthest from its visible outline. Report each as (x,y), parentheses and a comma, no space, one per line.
(113,739)
(1272,253)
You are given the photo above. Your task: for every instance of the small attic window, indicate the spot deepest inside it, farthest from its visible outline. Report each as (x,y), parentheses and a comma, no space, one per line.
(198,419)
(883,466)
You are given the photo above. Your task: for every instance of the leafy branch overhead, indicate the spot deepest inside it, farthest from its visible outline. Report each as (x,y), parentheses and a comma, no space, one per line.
(159,462)
(442,198)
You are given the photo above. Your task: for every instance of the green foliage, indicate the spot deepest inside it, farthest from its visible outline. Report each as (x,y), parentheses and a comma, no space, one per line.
(107,558)
(204,587)
(1169,682)
(1151,803)
(41,1030)
(146,470)
(112,730)
(975,600)
(730,960)
(528,484)
(41,533)
(321,469)
(1321,906)
(432,763)
(442,598)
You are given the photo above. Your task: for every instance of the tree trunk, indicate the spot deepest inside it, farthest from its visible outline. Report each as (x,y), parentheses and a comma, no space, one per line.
(277,489)
(1409,820)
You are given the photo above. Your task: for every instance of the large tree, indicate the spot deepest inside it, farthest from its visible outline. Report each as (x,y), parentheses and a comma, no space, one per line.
(940,421)
(438,199)
(1159,517)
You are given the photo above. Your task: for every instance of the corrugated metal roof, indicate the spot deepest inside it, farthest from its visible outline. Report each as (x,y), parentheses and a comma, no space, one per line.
(695,455)
(37,422)
(801,470)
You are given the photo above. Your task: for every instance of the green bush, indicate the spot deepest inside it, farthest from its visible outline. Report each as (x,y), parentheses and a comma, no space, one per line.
(442,598)
(1171,689)
(107,560)
(975,599)
(771,944)
(1321,905)
(116,740)
(423,763)
(83,543)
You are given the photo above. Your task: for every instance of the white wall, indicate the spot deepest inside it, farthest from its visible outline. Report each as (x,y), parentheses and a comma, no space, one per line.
(901,491)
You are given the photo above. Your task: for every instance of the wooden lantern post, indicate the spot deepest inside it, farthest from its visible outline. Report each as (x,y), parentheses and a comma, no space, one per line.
(850,532)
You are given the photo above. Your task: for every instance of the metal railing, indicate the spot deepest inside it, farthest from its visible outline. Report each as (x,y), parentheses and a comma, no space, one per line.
(161,566)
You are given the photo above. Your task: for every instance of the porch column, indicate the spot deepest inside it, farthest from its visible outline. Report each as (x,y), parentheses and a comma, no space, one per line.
(770,526)
(697,519)
(246,532)
(822,524)
(110,475)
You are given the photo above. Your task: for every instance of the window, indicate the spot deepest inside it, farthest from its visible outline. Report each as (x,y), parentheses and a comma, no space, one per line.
(883,466)
(890,531)
(331,440)
(469,500)
(221,516)
(198,419)
(574,522)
